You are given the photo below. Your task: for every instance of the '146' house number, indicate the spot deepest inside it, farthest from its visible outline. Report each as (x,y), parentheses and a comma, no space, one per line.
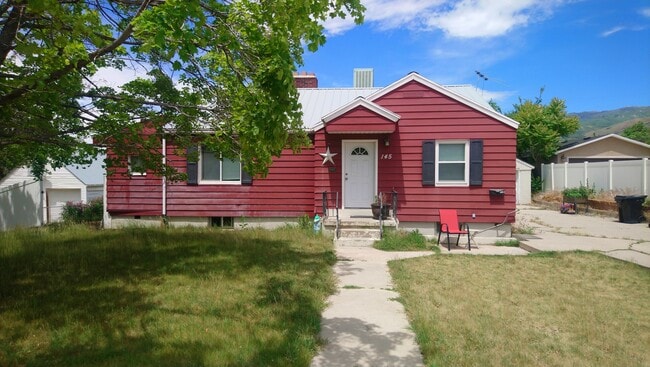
(387,156)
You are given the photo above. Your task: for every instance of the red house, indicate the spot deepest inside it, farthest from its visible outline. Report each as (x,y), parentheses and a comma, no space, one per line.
(428,146)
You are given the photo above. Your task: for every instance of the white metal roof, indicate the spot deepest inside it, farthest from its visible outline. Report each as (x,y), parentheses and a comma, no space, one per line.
(318,102)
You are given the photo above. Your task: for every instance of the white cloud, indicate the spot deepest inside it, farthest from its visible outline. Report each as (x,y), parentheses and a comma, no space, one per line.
(115,78)
(483,19)
(498,96)
(385,14)
(645,12)
(457,19)
(338,26)
(611,31)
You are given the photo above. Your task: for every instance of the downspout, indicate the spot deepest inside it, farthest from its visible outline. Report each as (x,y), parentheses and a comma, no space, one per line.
(164,181)
(106,217)
(43,204)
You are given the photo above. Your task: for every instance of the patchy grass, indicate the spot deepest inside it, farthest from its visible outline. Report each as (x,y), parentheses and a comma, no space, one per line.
(404,241)
(155,297)
(551,309)
(512,242)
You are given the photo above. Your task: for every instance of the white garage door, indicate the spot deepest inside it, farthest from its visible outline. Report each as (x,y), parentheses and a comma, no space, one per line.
(56,199)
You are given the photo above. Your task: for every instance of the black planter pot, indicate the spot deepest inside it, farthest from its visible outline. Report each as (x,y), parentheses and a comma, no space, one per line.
(384,211)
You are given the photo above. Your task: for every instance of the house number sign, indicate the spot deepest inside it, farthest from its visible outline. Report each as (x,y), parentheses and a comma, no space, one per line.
(386,156)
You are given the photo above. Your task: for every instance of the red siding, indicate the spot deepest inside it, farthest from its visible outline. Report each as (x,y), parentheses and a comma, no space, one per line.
(287,191)
(133,195)
(359,120)
(429,115)
(296,182)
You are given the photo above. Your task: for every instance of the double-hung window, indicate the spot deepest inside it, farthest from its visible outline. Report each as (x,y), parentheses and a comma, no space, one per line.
(216,169)
(452,163)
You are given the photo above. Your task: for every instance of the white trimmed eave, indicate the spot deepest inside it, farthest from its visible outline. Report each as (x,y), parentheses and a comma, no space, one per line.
(413,76)
(361,102)
(525,164)
(616,136)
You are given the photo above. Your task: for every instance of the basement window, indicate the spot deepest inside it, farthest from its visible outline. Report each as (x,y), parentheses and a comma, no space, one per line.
(222,222)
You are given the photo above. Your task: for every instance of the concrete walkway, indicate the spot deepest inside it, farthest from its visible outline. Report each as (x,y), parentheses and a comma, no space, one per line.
(364,325)
(553,231)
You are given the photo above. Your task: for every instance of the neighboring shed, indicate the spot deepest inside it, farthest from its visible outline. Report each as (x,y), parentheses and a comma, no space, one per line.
(27,202)
(524,179)
(602,149)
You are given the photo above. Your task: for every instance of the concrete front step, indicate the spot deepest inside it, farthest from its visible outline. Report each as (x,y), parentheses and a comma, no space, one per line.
(361,233)
(358,230)
(358,223)
(354,242)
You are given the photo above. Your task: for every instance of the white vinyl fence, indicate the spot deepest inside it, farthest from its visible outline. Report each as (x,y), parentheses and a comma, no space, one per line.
(631,177)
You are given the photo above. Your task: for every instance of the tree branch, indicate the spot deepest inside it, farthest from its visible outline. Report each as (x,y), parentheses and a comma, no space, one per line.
(58,74)
(9,30)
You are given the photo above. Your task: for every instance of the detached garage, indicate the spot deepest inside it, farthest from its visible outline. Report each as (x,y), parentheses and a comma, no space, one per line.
(27,202)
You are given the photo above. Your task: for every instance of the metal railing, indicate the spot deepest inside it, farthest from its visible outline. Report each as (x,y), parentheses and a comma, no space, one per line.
(394,205)
(325,204)
(381,215)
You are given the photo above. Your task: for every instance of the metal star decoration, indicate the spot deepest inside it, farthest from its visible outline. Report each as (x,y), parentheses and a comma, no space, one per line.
(327,156)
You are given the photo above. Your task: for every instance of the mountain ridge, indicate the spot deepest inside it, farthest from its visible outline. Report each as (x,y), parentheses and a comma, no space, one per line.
(594,124)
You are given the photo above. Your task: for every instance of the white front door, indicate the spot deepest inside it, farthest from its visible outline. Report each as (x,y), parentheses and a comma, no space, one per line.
(359,168)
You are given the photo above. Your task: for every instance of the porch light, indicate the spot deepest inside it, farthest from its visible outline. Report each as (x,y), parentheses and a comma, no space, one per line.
(387,141)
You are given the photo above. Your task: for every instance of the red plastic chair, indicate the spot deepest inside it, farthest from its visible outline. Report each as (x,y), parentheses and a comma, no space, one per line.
(449,225)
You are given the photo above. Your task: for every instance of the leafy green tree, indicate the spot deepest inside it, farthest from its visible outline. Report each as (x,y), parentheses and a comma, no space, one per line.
(223,66)
(495,106)
(639,131)
(541,127)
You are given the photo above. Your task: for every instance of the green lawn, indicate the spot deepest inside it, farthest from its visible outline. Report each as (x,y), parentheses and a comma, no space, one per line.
(565,309)
(155,297)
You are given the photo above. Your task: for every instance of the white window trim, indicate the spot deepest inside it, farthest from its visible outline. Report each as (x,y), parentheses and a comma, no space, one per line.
(131,172)
(463,183)
(214,182)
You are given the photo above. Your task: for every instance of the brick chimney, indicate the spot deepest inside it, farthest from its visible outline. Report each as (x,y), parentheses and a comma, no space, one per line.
(305,80)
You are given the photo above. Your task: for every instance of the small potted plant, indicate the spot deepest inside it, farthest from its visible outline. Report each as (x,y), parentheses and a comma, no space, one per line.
(578,195)
(382,201)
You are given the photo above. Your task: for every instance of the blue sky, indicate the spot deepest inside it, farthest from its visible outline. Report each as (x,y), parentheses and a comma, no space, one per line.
(594,54)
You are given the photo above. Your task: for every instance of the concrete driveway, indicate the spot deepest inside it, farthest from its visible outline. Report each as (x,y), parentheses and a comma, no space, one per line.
(553,231)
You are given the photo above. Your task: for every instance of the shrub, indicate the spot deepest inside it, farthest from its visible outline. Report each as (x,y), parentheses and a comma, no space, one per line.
(536,184)
(79,212)
(582,191)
